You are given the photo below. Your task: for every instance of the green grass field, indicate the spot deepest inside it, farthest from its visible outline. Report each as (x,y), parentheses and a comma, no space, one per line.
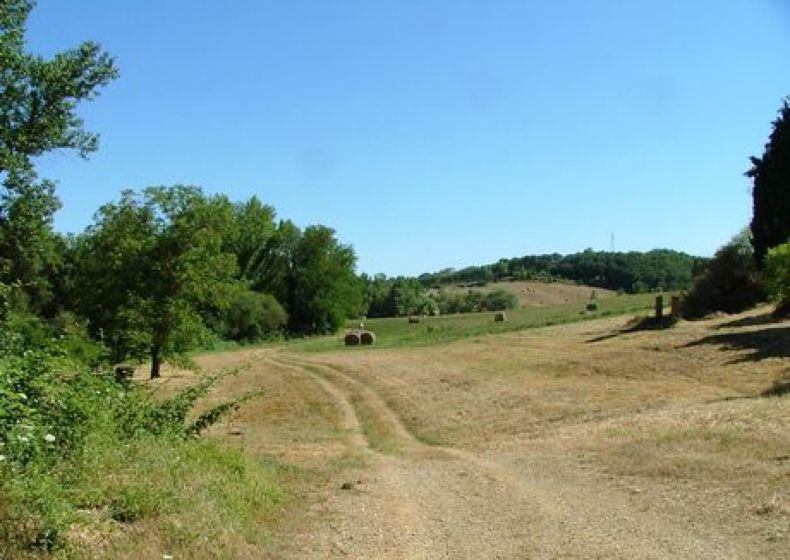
(394,332)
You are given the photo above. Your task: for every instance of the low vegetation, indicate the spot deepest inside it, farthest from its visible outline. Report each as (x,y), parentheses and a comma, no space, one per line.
(777,276)
(82,453)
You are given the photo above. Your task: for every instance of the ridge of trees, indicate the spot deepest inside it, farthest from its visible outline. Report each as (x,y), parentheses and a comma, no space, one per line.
(627,271)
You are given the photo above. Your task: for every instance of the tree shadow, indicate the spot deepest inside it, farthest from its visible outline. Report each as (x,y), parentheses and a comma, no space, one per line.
(756,320)
(642,324)
(779,388)
(763,343)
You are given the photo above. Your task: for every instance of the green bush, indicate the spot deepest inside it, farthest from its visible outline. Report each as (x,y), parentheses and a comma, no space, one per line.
(253,316)
(74,440)
(730,283)
(499,300)
(777,275)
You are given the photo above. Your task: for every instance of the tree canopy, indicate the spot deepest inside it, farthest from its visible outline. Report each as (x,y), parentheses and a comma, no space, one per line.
(39,97)
(38,103)
(153,267)
(771,192)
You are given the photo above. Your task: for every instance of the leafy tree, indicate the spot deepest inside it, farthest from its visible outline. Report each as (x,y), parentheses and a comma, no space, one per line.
(28,246)
(153,267)
(274,266)
(323,287)
(777,275)
(253,316)
(38,97)
(730,283)
(771,193)
(253,228)
(38,102)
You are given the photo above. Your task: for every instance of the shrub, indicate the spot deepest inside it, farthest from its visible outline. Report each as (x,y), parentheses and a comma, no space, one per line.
(499,300)
(253,316)
(730,282)
(777,275)
(57,419)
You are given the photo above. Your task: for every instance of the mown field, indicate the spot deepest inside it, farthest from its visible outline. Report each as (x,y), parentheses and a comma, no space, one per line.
(397,331)
(573,440)
(583,438)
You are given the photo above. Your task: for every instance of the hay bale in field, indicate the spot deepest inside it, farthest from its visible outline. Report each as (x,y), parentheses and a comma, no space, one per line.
(367,337)
(500,317)
(352,339)
(592,306)
(414,319)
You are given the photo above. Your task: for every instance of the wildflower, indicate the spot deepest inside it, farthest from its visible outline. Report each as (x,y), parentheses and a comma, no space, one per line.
(49,438)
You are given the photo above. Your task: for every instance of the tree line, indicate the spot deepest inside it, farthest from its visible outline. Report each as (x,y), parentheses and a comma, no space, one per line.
(401,296)
(167,269)
(631,272)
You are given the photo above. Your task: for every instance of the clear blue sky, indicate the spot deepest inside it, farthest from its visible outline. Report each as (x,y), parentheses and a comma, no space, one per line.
(437,133)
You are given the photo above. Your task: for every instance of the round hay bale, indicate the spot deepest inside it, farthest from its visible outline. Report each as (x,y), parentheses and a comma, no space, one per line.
(367,337)
(352,339)
(500,317)
(592,306)
(414,319)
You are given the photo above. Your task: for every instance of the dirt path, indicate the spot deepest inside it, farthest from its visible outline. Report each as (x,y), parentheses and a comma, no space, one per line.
(413,500)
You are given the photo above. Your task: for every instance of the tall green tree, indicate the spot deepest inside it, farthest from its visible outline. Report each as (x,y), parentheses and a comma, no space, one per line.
(253,228)
(771,193)
(153,267)
(39,97)
(273,272)
(324,290)
(28,246)
(38,102)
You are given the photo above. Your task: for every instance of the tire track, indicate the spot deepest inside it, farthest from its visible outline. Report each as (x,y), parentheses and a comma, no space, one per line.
(451,503)
(349,420)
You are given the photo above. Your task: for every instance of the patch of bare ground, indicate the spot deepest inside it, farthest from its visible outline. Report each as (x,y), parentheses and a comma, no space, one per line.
(576,441)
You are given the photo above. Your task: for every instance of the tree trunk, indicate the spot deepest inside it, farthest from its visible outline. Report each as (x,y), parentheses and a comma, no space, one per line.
(155,362)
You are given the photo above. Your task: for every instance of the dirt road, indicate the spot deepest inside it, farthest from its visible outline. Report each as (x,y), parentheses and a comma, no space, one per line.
(402,495)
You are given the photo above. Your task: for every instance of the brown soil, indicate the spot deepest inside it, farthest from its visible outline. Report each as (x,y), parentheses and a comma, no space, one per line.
(580,441)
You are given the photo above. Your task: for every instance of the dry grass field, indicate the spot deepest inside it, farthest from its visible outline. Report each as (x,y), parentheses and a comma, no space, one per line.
(539,294)
(586,440)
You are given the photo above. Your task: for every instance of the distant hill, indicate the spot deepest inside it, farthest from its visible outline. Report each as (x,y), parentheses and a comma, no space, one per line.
(532,293)
(629,272)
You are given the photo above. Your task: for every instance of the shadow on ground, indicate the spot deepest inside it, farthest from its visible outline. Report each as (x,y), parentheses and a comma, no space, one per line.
(757,320)
(778,389)
(763,343)
(643,324)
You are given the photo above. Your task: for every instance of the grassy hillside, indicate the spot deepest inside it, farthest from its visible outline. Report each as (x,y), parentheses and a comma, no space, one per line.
(433,330)
(539,294)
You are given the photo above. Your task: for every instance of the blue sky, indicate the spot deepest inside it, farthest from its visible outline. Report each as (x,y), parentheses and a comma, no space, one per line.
(433,134)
